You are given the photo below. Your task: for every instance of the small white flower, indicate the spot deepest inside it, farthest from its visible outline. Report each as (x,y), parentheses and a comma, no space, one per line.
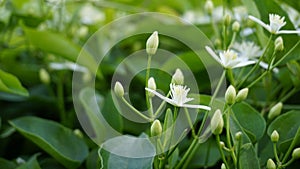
(179,97)
(90,15)
(68,66)
(276,23)
(229,59)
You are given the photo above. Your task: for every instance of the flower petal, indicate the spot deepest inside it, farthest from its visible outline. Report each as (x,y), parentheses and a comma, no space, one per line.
(265,66)
(213,54)
(242,64)
(161,96)
(259,22)
(288,32)
(193,106)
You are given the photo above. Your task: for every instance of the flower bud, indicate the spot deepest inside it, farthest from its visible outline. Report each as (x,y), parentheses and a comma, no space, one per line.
(236,26)
(152,43)
(223,166)
(78,133)
(242,95)
(156,128)
(222,144)
(274,136)
(271,164)
(151,85)
(227,19)
(275,111)
(44,76)
(230,95)
(279,44)
(296,153)
(209,6)
(217,123)
(119,90)
(238,135)
(178,77)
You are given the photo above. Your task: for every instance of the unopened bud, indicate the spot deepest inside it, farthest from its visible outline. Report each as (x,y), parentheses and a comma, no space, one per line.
(238,135)
(275,111)
(44,76)
(217,123)
(209,6)
(242,95)
(178,77)
(152,43)
(156,128)
(151,85)
(222,144)
(296,153)
(271,164)
(78,133)
(236,26)
(227,19)
(230,95)
(274,136)
(223,166)
(279,44)
(217,42)
(119,90)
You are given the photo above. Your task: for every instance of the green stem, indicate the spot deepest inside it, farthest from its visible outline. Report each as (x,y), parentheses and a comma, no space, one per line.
(195,144)
(224,37)
(257,79)
(230,76)
(221,151)
(288,95)
(275,153)
(135,110)
(238,153)
(190,121)
(60,98)
(283,57)
(288,163)
(232,40)
(228,137)
(146,84)
(291,146)
(160,107)
(256,65)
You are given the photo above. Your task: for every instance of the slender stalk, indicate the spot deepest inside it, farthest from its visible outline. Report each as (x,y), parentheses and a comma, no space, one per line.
(221,151)
(190,121)
(256,65)
(160,107)
(257,79)
(232,40)
(135,110)
(228,137)
(146,84)
(283,57)
(289,94)
(60,98)
(287,154)
(275,153)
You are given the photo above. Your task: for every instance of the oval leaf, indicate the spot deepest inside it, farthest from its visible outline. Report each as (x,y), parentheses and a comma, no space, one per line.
(55,139)
(10,84)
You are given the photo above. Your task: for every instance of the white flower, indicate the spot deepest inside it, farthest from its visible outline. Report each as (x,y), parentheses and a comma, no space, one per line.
(179,97)
(90,15)
(276,23)
(229,58)
(68,66)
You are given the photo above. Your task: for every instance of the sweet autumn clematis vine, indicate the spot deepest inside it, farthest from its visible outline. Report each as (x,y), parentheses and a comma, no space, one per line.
(179,97)
(276,23)
(229,59)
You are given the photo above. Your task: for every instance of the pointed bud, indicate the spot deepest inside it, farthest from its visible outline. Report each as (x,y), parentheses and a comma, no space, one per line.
(178,77)
(223,166)
(44,76)
(238,135)
(119,90)
(279,44)
(156,128)
(152,43)
(78,133)
(236,26)
(151,85)
(242,95)
(227,20)
(217,123)
(275,111)
(296,153)
(230,95)
(209,6)
(222,144)
(274,136)
(271,164)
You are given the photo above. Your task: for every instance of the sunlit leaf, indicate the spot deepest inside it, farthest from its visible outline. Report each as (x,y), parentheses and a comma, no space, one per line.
(10,84)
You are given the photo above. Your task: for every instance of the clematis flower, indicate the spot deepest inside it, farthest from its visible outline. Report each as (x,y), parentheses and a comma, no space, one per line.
(276,23)
(178,97)
(229,59)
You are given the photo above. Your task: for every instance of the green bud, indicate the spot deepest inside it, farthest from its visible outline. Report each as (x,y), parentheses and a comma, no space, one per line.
(152,43)
(151,85)
(217,123)
(230,95)
(156,128)
(236,26)
(217,42)
(119,90)
(178,77)
(238,135)
(279,44)
(271,164)
(223,166)
(44,76)
(78,133)
(209,6)
(227,19)
(242,95)
(275,111)
(222,144)
(296,153)
(274,136)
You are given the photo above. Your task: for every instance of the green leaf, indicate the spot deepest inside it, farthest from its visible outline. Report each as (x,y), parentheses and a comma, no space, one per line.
(32,163)
(125,152)
(92,160)
(11,84)
(7,164)
(287,126)
(55,139)
(248,157)
(245,113)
